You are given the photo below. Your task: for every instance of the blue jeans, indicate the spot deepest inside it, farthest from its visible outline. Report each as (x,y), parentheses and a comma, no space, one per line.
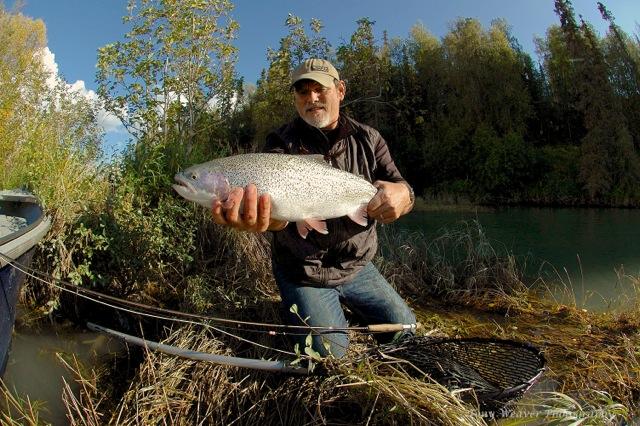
(368,295)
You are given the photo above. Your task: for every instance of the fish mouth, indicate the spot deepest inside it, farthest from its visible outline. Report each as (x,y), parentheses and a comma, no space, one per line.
(183,185)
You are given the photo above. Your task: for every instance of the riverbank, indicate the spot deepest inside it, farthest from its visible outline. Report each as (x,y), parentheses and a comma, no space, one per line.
(592,357)
(587,255)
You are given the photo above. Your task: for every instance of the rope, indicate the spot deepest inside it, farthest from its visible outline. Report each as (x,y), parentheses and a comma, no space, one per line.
(95,296)
(373,328)
(145,314)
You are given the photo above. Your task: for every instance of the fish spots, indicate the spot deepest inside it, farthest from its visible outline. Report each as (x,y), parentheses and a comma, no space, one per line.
(300,187)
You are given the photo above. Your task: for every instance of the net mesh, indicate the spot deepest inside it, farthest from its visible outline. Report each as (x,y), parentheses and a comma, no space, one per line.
(490,371)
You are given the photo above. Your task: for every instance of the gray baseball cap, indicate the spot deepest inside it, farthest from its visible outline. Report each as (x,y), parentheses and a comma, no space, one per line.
(319,70)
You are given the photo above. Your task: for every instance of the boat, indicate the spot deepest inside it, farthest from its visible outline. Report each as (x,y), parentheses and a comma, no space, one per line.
(23,224)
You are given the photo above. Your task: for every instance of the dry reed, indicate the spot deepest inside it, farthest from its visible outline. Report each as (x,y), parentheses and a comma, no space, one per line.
(478,293)
(16,411)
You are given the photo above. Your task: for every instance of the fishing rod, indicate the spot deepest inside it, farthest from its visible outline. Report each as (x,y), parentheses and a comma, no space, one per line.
(154,316)
(98,297)
(231,361)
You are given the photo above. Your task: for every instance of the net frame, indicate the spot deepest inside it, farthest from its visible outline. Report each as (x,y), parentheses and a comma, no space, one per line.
(493,373)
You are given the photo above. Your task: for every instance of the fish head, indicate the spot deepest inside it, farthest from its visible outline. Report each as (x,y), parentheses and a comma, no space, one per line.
(202,186)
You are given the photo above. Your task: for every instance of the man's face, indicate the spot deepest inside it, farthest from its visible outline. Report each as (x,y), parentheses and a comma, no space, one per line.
(318,105)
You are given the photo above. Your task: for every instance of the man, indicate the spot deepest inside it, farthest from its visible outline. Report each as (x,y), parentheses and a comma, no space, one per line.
(321,272)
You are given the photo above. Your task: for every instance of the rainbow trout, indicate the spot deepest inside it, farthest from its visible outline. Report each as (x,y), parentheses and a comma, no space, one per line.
(304,189)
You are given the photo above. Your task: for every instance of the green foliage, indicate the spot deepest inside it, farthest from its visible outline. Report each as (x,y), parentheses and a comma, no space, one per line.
(365,67)
(273,102)
(174,71)
(608,159)
(148,244)
(503,166)
(472,112)
(121,228)
(135,242)
(559,182)
(468,114)
(87,244)
(49,137)
(171,82)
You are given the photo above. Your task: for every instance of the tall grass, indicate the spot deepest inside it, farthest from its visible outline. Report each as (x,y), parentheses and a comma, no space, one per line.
(456,283)
(460,266)
(16,411)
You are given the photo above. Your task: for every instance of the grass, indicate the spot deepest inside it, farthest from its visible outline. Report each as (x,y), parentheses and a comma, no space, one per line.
(457,284)
(18,411)
(593,408)
(83,407)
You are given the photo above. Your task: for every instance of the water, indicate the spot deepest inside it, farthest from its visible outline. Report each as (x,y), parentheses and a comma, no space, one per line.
(588,249)
(34,369)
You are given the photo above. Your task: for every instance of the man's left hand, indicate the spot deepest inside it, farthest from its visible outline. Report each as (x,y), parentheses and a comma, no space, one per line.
(392,201)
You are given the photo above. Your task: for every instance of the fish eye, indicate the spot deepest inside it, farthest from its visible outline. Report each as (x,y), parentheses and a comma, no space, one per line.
(194,176)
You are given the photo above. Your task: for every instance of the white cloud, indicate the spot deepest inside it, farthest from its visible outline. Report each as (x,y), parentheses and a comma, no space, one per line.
(109,122)
(106,120)
(49,62)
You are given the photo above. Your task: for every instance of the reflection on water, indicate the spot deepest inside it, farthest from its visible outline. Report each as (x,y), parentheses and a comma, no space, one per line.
(585,248)
(34,370)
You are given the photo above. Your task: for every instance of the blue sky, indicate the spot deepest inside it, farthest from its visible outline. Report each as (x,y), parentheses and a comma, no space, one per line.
(77,28)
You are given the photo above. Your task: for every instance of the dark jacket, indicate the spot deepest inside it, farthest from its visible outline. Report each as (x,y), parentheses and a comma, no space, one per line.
(329,260)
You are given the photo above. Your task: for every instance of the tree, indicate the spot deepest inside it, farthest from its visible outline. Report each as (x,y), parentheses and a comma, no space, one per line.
(174,73)
(502,165)
(272,102)
(49,137)
(566,121)
(22,76)
(412,101)
(622,56)
(608,161)
(474,79)
(485,74)
(365,68)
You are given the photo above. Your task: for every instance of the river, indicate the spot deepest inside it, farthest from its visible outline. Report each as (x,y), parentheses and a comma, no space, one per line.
(586,250)
(34,369)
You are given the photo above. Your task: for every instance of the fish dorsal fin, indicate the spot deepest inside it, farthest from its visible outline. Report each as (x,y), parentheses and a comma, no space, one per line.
(318,158)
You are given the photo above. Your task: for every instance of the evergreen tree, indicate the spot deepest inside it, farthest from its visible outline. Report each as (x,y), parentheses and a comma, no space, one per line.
(365,69)
(624,72)
(608,166)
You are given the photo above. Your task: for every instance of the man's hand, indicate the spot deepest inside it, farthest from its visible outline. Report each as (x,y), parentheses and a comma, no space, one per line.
(246,211)
(392,201)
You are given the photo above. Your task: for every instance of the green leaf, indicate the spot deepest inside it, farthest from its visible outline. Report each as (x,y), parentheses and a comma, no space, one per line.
(313,354)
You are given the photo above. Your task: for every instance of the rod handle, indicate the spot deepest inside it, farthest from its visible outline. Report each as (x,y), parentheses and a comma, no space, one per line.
(386,328)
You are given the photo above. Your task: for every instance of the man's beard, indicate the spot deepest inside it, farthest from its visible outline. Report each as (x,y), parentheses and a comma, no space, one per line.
(321,120)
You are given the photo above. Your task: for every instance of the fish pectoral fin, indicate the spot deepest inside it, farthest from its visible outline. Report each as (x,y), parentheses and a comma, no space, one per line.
(318,224)
(360,216)
(303,229)
(306,225)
